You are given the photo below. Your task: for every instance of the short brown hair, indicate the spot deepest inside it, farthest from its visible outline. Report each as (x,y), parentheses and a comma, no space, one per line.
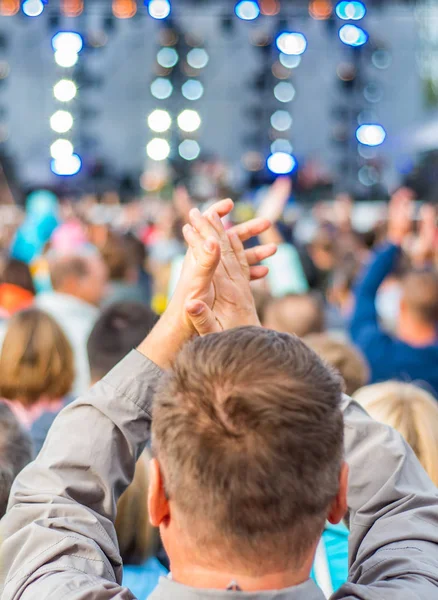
(299,314)
(67,266)
(345,358)
(248,432)
(36,358)
(116,256)
(420,293)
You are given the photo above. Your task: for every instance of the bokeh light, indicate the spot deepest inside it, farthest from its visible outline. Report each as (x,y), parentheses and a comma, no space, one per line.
(197,58)
(161,88)
(167,57)
(189,149)
(281,163)
(352,35)
(368,175)
(281,120)
(189,120)
(65,90)
(281,145)
(247,10)
(61,121)
(320,9)
(192,89)
(159,120)
(284,91)
(291,43)
(124,9)
(159,9)
(61,148)
(381,58)
(289,61)
(67,165)
(67,41)
(351,11)
(370,134)
(9,8)
(32,8)
(158,149)
(66,59)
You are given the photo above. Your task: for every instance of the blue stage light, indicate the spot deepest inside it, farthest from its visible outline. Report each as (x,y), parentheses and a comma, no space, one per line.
(67,165)
(247,10)
(281,163)
(67,42)
(352,35)
(32,8)
(159,9)
(291,43)
(353,11)
(370,134)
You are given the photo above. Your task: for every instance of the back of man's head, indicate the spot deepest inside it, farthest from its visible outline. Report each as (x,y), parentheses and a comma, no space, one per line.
(299,314)
(15,453)
(120,328)
(420,296)
(248,432)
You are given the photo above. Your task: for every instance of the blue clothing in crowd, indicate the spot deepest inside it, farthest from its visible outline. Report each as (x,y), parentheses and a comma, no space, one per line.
(388,357)
(143,579)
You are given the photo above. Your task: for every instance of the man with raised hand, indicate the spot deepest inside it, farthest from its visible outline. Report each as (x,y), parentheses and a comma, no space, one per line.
(247,433)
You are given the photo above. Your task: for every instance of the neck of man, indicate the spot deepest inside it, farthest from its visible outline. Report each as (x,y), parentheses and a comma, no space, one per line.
(416,333)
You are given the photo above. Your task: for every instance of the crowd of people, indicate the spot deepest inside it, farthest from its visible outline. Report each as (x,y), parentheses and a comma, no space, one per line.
(195,402)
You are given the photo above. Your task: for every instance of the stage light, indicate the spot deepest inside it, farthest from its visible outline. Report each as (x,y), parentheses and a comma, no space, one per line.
(124,9)
(289,61)
(68,42)
(72,8)
(284,91)
(32,8)
(61,148)
(192,89)
(352,35)
(281,163)
(61,121)
(159,120)
(320,9)
(351,11)
(161,88)
(65,90)
(9,8)
(368,175)
(189,149)
(66,59)
(381,58)
(281,120)
(189,120)
(167,57)
(370,134)
(269,8)
(197,58)
(247,10)
(373,92)
(291,43)
(158,149)
(67,165)
(281,145)
(159,9)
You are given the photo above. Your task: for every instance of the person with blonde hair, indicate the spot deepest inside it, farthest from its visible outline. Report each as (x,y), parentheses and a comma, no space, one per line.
(36,371)
(412,411)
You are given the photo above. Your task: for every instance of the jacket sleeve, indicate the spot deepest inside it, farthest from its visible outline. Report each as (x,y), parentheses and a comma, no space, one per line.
(58,537)
(393,515)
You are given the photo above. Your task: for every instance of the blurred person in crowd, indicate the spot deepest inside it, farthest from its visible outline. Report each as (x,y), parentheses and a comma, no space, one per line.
(79,285)
(36,371)
(412,411)
(345,358)
(15,452)
(17,290)
(120,328)
(139,257)
(138,539)
(295,314)
(231,411)
(123,272)
(412,352)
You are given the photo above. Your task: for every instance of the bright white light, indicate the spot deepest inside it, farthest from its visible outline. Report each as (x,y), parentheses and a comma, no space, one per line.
(291,43)
(197,58)
(159,120)
(352,35)
(167,57)
(32,8)
(289,61)
(158,149)
(281,145)
(67,41)
(281,120)
(351,11)
(189,149)
(192,89)
(159,9)
(61,148)
(65,90)
(161,88)
(284,91)
(281,163)
(67,165)
(61,121)
(370,134)
(248,10)
(66,59)
(189,120)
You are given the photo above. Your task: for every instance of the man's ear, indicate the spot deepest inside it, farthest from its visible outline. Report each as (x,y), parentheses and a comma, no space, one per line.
(158,505)
(339,505)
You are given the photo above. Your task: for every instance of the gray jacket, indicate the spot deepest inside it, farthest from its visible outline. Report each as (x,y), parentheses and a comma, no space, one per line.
(59,538)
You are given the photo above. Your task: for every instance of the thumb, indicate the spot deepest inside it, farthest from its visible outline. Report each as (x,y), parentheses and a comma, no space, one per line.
(201,317)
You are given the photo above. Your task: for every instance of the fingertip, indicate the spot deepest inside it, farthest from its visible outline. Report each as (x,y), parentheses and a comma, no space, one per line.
(194,307)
